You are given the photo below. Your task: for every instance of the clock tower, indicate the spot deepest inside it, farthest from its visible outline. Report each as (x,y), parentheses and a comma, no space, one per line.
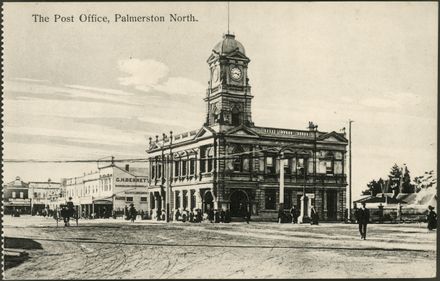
(228,98)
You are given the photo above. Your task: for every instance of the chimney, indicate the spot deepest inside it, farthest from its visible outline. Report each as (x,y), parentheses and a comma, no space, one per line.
(127,167)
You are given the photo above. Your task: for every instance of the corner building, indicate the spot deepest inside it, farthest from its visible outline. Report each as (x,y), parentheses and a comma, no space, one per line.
(231,163)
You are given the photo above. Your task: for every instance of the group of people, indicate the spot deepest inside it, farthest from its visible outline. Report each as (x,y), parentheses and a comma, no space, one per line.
(211,215)
(295,213)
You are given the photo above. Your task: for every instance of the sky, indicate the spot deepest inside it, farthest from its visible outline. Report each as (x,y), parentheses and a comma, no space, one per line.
(77,90)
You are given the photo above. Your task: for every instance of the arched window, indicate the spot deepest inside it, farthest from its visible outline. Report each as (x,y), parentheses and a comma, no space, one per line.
(235,118)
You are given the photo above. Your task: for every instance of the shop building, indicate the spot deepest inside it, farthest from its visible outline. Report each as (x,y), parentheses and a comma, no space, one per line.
(232,164)
(108,190)
(16,197)
(44,195)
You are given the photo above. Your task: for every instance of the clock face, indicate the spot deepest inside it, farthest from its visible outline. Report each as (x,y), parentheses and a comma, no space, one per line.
(236,73)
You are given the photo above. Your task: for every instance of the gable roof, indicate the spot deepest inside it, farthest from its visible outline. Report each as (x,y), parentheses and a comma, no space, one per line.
(242,130)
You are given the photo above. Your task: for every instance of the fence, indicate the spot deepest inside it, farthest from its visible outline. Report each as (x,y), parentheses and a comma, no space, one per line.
(396,214)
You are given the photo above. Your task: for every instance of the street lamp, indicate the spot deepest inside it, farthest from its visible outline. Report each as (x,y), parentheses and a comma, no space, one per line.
(304,218)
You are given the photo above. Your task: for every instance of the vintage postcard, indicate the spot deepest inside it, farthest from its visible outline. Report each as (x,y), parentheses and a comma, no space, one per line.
(219,140)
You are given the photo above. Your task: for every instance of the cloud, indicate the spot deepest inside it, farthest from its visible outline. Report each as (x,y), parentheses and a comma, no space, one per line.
(142,74)
(148,75)
(392,100)
(31,89)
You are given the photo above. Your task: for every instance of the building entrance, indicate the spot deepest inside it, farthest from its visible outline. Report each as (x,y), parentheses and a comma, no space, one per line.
(239,203)
(331,204)
(208,201)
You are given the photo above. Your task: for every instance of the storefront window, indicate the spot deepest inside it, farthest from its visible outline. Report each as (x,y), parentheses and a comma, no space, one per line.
(270,199)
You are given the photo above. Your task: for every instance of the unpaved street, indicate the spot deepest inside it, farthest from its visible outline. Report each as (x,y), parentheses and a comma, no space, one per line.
(120,249)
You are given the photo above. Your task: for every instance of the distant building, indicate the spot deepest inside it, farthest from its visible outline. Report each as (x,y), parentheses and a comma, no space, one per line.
(44,195)
(230,163)
(108,190)
(16,197)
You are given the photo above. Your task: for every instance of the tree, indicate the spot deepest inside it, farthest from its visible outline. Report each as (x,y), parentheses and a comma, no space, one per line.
(407,187)
(374,187)
(395,178)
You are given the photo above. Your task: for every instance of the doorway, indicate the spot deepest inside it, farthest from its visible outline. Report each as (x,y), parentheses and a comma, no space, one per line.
(208,201)
(239,203)
(332,204)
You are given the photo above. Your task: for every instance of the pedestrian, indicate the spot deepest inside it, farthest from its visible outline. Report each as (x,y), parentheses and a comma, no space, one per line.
(248,215)
(177,215)
(363,218)
(294,214)
(280,215)
(133,213)
(126,213)
(222,215)
(164,215)
(216,216)
(227,216)
(199,215)
(432,218)
(65,215)
(314,216)
(184,215)
(191,215)
(211,215)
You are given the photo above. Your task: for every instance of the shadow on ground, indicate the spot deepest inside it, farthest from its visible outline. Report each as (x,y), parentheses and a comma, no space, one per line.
(14,254)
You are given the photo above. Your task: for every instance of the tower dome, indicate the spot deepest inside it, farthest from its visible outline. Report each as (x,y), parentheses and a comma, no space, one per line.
(228,45)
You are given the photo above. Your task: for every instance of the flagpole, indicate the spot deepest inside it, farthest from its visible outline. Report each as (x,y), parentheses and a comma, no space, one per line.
(349,170)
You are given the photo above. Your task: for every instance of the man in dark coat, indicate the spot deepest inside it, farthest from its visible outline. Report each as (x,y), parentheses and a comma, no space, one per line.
(294,214)
(363,218)
(133,212)
(432,218)
(314,216)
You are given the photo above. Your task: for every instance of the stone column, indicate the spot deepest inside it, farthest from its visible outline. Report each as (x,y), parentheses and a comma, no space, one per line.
(199,200)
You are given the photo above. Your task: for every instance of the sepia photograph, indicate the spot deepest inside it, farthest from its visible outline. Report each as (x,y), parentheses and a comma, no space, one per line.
(219,140)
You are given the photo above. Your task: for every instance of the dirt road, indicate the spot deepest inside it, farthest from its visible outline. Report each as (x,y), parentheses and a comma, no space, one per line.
(118,249)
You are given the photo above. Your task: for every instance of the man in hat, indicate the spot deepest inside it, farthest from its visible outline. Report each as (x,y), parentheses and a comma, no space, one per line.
(432,218)
(363,218)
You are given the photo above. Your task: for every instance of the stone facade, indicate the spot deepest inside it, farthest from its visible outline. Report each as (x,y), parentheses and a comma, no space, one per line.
(231,164)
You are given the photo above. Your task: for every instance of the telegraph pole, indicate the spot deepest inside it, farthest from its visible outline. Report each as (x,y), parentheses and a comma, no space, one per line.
(281,205)
(349,169)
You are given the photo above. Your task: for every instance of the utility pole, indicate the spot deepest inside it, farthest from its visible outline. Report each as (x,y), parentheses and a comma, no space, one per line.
(281,205)
(169,177)
(349,170)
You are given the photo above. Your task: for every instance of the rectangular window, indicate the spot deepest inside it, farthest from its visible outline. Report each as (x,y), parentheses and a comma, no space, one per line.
(21,195)
(159,171)
(286,165)
(193,199)
(184,199)
(329,167)
(270,199)
(177,199)
(176,168)
(143,199)
(153,171)
(14,195)
(192,166)
(210,163)
(202,160)
(338,167)
(322,167)
(246,163)
(237,164)
(184,167)
(129,199)
(300,167)
(270,167)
